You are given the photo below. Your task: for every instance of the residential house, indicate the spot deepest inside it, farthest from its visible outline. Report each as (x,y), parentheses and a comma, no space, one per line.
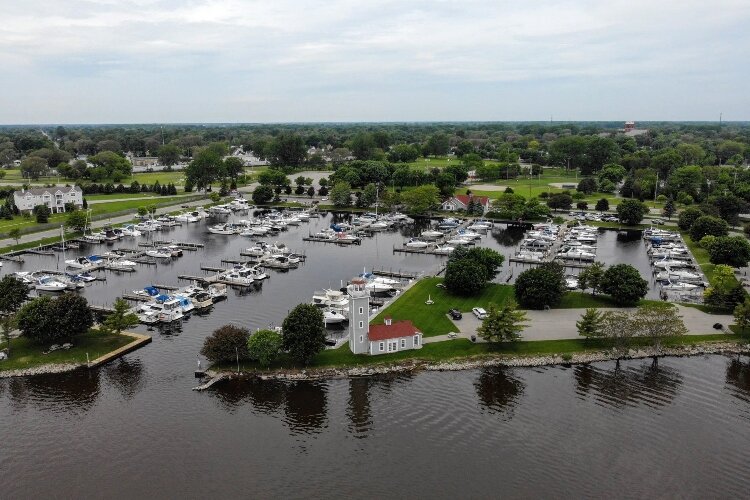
(461,202)
(376,339)
(54,197)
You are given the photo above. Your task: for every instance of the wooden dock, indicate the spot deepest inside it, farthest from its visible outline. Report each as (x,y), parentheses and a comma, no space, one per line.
(358,241)
(390,273)
(420,251)
(138,341)
(12,258)
(184,245)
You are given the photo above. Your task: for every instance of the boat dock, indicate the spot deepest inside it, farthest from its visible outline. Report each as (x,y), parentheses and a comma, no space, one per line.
(317,239)
(399,274)
(11,257)
(420,251)
(62,273)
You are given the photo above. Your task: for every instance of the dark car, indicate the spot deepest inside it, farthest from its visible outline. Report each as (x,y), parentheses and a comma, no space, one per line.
(455,314)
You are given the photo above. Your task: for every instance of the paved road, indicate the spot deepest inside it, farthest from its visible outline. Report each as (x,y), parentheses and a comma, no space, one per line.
(558,324)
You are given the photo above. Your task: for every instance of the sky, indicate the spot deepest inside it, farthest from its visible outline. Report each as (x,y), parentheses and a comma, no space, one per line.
(220,61)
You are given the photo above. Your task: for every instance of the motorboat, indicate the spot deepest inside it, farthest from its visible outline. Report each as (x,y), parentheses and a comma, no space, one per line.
(159,253)
(219,210)
(444,250)
(111,235)
(671,264)
(380,279)
(88,263)
(331,317)
(121,264)
(187,217)
(97,237)
(148,226)
(459,241)
(168,221)
(218,291)
(415,243)
(146,316)
(223,229)
(678,275)
(330,298)
(470,235)
(234,277)
(185,303)
(449,223)
(431,234)
(130,230)
(379,287)
(529,256)
(50,284)
(168,309)
(201,300)
(679,286)
(575,254)
(83,277)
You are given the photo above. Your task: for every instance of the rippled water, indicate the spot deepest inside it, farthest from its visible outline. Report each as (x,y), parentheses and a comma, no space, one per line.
(135,427)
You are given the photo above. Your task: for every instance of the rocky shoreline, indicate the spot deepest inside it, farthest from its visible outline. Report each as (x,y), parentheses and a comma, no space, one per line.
(40,370)
(487,361)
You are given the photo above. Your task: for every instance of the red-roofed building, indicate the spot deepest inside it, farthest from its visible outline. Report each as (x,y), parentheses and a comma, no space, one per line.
(461,202)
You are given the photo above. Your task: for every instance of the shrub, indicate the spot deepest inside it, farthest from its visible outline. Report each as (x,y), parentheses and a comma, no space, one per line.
(541,286)
(624,284)
(225,344)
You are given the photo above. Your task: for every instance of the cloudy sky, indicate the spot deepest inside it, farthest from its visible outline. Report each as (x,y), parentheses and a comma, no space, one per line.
(161,61)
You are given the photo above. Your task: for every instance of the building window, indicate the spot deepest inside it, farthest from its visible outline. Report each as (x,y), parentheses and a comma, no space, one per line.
(416,340)
(361,310)
(361,324)
(381,346)
(403,343)
(361,338)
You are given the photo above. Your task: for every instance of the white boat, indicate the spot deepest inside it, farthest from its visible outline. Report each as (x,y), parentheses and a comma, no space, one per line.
(147,316)
(187,217)
(223,229)
(88,263)
(168,310)
(444,250)
(459,241)
(330,298)
(130,230)
(528,255)
(677,275)
(575,254)
(50,284)
(672,264)
(431,234)
(219,210)
(201,300)
(680,286)
(121,264)
(235,278)
(185,303)
(168,221)
(470,235)
(159,253)
(331,317)
(415,243)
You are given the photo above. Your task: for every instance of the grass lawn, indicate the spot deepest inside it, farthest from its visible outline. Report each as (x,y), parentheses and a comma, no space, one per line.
(122,196)
(701,256)
(580,300)
(432,319)
(27,354)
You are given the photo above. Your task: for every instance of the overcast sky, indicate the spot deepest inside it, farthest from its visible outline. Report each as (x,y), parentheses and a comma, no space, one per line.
(161,61)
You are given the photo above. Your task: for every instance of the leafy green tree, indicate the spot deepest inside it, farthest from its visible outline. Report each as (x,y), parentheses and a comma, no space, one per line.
(729,207)
(169,154)
(742,314)
(121,317)
(420,200)
(617,326)
(669,209)
(311,191)
(613,173)
(591,277)
(503,323)
(233,167)
(587,185)
(13,293)
(226,344)
(725,291)
(273,177)
(465,277)
(206,167)
(631,212)
(76,220)
(403,153)
(731,250)
(369,195)
(666,162)
(437,144)
(459,172)
(363,145)
(42,213)
(264,346)
(560,201)
(341,194)
(34,167)
(15,233)
(540,287)
(446,183)
(658,321)
(304,333)
(112,164)
(72,315)
(287,150)
(472,161)
(35,321)
(624,284)
(590,324)
(688,217)
(602,205)
(707,225)
(300,181)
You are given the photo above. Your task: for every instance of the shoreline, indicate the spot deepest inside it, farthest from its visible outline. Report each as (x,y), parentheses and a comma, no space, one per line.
(472,363)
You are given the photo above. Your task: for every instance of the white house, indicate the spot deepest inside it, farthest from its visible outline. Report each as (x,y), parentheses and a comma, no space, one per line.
(460,202)
(376,339)
(55,198)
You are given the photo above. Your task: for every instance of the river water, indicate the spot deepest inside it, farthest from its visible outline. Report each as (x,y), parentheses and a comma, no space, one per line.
(135,427)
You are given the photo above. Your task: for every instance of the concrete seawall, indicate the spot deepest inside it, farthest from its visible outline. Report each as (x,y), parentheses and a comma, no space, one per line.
(139,340)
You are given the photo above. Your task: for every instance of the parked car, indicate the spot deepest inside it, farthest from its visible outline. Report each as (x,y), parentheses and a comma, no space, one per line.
(455,314)
(479,312)
(658,222)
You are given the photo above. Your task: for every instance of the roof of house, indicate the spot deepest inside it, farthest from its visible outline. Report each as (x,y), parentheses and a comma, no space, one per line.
(51,190)
(395,330)
(464,198)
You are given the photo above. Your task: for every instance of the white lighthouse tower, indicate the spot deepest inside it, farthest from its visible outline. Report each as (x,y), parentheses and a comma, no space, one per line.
(359,316)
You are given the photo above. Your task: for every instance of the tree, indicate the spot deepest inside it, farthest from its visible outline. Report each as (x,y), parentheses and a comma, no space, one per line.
(13,293)
(420,200)
(613,173)
(264,346)
(742,314)
(669,209)
(72,315)
(304,333)
(658,321)
(631,212)
(707,225)
(121,317)
(587,185)
(33,167)
(437,144)
(617,326)
(300,181)
(590,324)
(504,323)
(311,191)
(624,284)
(233,167)
(42,213)
(35,321)
(273,177)
(465,277)
(582,205)
(666,162)
(369,195)
(363,145)
(688,217)
(446,183)
(560,201)
(341,194)
(227,343)
(730,250)
(287,150)
(205,168)
(111,164)
(169,154)
(725,291)
(76,220)
(729,207)
(602,205)
(591,277)
(15,233)
(540,287)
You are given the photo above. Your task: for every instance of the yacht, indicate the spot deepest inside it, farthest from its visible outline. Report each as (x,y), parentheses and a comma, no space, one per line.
(431,234)
(469,235)
(185,303)
(459,241)
(444,250)
(168,221)
(528,255)
(219,210)
(680,287)
(332,317)
(448,223)
(235,278)
(671,264)
(130,230)
(223,229)
(330,298)
(50,284)
(415,243)
(168,309)
(159,253)
(570,253)
(121,264)
(87,263)
(187,217)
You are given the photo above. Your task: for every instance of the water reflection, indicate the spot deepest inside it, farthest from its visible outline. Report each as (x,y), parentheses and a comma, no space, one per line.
(358,406)
(499,390)
(738,378)
(509,237)
(126,375)
(306,407)
(74,392)
(650,384)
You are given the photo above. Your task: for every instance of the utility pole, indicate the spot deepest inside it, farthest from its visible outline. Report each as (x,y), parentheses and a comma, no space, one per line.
(656,188)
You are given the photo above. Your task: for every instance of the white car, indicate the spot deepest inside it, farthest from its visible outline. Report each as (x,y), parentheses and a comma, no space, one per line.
(479,312)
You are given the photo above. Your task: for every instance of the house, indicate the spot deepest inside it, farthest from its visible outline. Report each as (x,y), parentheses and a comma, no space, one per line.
(376,339)
(54,197)
(461,202)
(144,161)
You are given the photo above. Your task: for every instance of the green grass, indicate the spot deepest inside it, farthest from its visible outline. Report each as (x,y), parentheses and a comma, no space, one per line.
(432,319)
(26,354)
(581,300)
(701,257)
(121,196)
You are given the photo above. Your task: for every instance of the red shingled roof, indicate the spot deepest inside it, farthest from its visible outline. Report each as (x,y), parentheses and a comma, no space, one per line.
(464,198)
(393,331)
